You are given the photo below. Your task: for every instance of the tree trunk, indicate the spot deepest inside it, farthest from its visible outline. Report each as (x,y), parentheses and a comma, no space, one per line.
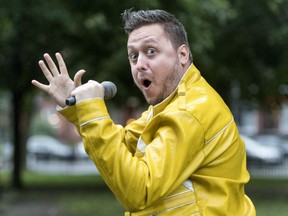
(17,140)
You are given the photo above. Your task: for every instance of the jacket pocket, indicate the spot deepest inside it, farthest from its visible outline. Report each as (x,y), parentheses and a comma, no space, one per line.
(182,202)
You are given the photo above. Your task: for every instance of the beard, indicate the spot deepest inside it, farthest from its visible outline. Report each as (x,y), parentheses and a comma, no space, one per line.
(169,84)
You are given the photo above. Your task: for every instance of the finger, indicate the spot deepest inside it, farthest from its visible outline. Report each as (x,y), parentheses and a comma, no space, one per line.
(61,63)
(93,82)
(52,66)
(98,87)
(78,77)
(45,70)
(41,86)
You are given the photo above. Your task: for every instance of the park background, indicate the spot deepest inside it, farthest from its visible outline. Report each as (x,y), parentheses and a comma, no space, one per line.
(240,47)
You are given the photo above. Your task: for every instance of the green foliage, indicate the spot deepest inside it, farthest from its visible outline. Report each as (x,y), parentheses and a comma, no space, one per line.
(251,49)
(230,40)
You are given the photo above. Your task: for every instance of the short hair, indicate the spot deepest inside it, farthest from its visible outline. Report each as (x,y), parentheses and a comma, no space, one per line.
(172,27)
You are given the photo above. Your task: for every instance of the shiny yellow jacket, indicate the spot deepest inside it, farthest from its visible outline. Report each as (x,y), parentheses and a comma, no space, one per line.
(184,156)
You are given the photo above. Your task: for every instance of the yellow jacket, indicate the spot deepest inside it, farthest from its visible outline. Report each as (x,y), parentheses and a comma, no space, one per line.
(184,156)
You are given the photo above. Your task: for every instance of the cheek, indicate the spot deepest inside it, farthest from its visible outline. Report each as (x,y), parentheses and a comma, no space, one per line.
(161,71)
(164,62)
(134,75)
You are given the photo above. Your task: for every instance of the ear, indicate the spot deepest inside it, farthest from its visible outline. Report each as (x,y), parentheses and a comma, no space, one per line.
(183,54)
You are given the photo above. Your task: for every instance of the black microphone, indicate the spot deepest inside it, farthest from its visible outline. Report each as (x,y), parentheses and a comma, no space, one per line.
(110,91)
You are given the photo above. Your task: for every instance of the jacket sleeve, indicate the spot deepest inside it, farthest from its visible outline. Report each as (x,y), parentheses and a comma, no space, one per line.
(139,182)
(132,131)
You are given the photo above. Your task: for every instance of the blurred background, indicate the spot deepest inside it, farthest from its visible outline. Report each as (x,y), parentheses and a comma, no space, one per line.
(240,47)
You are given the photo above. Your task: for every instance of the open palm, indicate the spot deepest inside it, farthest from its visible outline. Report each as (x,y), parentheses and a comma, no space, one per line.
(60,84)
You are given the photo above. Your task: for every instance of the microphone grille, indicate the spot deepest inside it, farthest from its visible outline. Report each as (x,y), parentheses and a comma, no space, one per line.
(110,89)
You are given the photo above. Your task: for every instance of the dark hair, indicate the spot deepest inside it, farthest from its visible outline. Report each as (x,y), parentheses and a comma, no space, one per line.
(171,25)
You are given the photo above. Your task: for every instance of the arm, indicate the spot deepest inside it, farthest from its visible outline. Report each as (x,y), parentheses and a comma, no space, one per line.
(172,154)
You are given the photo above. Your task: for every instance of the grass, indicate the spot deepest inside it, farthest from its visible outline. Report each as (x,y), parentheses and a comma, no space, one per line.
(88,195)
(91,204)
(271,207)
(270,196)
(65,195)
(60,202)
(40,179)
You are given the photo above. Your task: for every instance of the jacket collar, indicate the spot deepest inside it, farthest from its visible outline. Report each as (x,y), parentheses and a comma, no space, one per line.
(191,76)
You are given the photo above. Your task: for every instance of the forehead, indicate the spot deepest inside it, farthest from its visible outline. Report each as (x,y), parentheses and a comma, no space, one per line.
(147,33)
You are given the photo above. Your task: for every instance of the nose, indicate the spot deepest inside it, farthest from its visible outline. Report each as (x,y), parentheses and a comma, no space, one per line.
(141,63)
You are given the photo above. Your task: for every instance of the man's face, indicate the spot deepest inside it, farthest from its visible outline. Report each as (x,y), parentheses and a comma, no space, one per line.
(154,62)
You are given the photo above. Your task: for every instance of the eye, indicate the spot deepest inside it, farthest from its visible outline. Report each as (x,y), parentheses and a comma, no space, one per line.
(133,57)
(151,51)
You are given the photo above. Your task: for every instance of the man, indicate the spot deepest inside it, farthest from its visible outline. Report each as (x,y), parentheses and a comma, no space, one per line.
(184,155)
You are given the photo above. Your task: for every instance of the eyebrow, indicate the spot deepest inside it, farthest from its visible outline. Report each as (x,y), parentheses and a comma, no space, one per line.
(148,41)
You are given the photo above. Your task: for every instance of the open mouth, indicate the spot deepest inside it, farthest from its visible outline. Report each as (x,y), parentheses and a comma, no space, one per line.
(146,83)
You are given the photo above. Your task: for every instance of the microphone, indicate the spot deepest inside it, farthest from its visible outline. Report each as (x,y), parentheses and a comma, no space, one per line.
(110,91)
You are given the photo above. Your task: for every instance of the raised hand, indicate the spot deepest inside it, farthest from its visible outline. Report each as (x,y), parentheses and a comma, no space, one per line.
(60,84)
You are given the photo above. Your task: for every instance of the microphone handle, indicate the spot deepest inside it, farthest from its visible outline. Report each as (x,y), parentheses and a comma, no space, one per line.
(110,90)
(70,101)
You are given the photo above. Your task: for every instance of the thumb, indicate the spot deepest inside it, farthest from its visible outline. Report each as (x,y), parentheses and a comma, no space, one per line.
(78,77)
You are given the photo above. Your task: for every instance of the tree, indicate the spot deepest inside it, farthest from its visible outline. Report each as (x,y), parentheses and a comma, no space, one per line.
(252,50)
(85,32)
(231,41)
(27,29)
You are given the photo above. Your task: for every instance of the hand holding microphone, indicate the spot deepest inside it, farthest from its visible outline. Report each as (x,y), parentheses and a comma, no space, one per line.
(91,90)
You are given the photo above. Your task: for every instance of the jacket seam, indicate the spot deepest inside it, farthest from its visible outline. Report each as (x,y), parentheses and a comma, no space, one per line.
(92,120)
(175,207)
(217,134)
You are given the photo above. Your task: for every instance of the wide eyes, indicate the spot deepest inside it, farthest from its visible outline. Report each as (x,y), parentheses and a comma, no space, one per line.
(151,51)
(133,56)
